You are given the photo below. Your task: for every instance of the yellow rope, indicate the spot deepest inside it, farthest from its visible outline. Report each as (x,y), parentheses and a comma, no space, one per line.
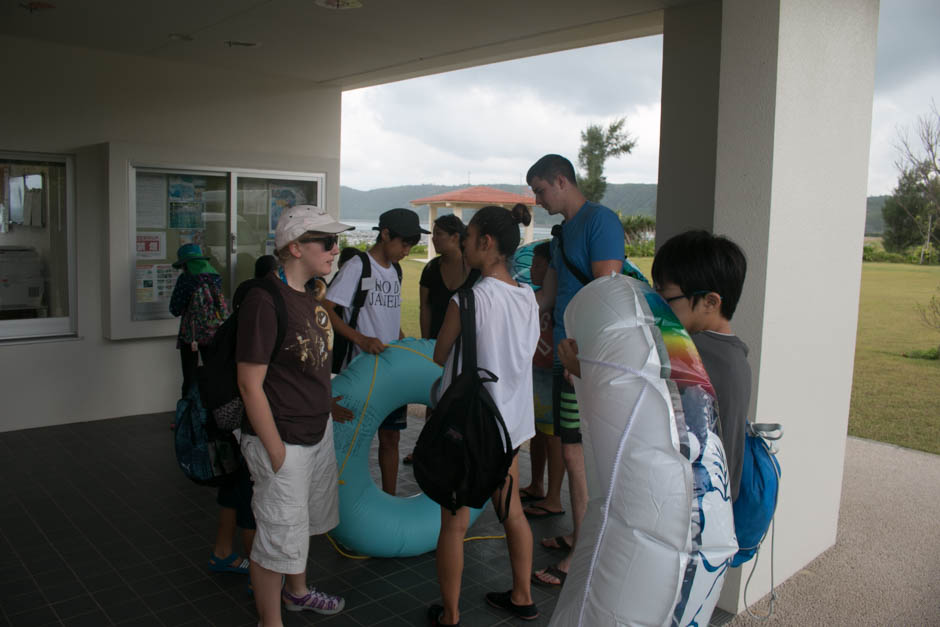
(375,369)
(362,414)
(365,557)
(343,553)
(484,538)
(410,350)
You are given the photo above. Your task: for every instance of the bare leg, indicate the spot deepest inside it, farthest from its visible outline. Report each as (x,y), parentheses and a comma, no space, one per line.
(225,533)
(577,483)
(388,459)
(248,538)
(296,584)
(556,470)
(556,475)
(518,539)
(267,586)
(537,452)
(450,561)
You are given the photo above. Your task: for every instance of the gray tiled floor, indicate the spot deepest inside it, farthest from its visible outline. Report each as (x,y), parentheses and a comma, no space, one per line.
(98,526)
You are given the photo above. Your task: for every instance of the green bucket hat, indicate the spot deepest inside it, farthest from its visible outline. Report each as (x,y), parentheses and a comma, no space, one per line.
(190,255)
(188,252)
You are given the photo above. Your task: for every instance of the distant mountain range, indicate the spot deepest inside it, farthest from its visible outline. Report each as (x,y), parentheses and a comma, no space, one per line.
(628,198)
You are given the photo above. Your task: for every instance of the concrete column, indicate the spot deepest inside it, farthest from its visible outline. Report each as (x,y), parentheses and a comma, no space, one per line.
(794,122)
(766,119)
(689,119)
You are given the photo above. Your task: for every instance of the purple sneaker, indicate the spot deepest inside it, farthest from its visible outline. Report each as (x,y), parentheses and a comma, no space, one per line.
(316,600)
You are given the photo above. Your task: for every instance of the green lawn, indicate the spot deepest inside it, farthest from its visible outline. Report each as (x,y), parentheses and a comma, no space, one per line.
(894,399)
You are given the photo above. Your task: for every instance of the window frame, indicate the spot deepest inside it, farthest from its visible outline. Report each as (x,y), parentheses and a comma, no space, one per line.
(59,327)
(131,326)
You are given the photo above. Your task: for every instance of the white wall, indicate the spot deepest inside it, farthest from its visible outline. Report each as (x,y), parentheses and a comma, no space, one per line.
(795,99)
(71,100)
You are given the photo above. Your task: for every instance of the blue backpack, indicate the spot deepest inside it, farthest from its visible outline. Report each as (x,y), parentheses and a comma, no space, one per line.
(206,455)
(757,496)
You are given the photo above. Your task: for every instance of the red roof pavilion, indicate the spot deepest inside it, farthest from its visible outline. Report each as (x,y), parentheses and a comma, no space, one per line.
(474,197)
(478,194)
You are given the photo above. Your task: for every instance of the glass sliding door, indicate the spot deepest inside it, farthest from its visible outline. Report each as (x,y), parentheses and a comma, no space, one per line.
(172,208)
(259,203)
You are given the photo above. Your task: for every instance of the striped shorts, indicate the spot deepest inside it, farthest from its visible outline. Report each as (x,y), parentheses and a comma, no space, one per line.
(567,419)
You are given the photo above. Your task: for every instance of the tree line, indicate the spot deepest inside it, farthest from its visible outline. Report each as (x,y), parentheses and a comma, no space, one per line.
(912,213)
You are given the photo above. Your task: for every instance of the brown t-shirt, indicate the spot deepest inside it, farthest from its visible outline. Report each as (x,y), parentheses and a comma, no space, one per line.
(297,383)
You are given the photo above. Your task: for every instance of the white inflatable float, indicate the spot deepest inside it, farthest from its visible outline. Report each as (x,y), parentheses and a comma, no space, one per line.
(372,522)
(659,532)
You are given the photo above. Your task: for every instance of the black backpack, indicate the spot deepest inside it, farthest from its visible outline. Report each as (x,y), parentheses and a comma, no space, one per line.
(220,372)
(464,452)
(342,347)
(206,455)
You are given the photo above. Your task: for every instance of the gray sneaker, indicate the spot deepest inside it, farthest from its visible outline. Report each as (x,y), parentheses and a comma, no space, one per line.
(316,600)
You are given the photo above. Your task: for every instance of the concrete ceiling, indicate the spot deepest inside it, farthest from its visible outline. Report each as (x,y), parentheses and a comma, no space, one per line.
(383,41)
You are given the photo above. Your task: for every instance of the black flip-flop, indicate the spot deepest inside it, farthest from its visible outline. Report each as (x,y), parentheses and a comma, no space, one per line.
(525,496)
(560,544)
(503,601)
(434,617)
(560,575)
(541,512)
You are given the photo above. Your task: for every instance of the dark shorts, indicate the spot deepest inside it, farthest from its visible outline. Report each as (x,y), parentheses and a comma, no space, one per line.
(565,415)
(396,421)
(236,494)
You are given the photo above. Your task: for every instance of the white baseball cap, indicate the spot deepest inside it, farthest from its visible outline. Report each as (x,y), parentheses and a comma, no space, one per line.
(297,220)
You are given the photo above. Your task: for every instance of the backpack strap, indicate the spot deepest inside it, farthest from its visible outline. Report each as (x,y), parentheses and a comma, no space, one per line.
(769,432)
(468,330)
(359,299)
(573,269)
(398,270)
(280,307)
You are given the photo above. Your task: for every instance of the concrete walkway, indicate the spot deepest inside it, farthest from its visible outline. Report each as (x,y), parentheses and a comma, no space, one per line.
(885,566)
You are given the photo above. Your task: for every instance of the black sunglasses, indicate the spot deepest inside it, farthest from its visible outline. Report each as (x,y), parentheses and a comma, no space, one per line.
(328,241)
(689,296)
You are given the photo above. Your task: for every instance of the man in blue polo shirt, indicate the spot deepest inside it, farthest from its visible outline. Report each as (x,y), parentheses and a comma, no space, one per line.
(590,245)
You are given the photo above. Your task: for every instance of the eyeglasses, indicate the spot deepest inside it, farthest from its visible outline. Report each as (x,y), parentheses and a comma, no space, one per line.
(328,241)
(690,296)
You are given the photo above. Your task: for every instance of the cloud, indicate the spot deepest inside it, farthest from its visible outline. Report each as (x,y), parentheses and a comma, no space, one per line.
(488,124)
(896,111)
(907,43)
(907,78)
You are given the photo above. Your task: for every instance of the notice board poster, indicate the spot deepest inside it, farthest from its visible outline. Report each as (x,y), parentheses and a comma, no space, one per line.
(151,245)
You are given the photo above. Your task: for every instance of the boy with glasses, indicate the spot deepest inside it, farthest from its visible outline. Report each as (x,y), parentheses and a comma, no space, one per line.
(700,276)
(379,319)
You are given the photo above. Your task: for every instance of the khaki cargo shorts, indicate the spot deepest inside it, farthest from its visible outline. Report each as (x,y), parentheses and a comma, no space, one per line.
(296,502)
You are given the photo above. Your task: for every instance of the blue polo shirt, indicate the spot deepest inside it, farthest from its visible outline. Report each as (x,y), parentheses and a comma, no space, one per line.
(593,234)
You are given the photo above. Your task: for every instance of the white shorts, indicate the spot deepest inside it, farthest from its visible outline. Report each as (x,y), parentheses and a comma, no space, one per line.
(298,501)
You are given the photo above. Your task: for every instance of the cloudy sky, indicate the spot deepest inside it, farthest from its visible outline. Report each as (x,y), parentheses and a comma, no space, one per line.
(487,124)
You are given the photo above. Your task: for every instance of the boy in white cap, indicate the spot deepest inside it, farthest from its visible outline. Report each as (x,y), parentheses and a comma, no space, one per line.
(288,437)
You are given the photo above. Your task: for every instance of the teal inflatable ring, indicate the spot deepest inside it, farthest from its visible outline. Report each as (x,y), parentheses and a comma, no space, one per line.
(371,521)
